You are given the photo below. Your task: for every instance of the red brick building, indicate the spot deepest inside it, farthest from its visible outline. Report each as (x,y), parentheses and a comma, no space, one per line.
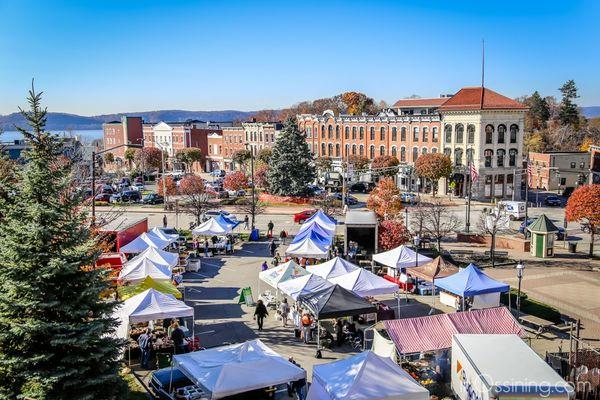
(126,131)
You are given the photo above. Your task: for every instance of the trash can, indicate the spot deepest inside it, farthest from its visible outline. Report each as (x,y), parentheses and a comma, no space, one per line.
(254,235)
(572,247)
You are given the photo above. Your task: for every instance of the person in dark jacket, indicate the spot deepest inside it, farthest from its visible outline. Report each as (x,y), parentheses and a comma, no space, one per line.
(260,313)
(272,248)
(339,333)
(178,338)
(145,342)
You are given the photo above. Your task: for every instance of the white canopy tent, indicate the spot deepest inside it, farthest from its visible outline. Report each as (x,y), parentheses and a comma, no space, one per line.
(365,376)
(303,285)
(212,227)
(238,368)
(136,271)
(158,257)
(335,267)
(142,242)
(149,306)
(307,248)
(171,238)
(400,257)
(281,273)
(365,283)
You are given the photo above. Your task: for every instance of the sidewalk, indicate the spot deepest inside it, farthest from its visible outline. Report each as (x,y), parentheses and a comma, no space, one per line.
(270,210)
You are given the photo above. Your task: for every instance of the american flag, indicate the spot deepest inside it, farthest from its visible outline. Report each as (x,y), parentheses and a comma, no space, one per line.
(474,173)
(529,174)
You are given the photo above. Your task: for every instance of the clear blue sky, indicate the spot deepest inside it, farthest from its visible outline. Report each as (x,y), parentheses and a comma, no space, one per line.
(104,56)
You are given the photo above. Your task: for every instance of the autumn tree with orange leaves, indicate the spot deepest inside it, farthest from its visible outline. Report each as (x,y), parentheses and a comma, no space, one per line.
(392,234)
(433,166)
(170,187)
(584,206)
(385,200)
(235,181)
(358,103)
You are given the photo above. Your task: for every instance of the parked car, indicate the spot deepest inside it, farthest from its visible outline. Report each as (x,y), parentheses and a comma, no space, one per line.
(125,182)
(126,196)
(106,189)
(103,197)
(218,172)
(302,216)
(361,187)
(153,198)
(316,190)
(586,228)
(560,235)
(139,186)
(138,179)
(350,200)
(236,193)
(553,201)
(515,210)
(409,198)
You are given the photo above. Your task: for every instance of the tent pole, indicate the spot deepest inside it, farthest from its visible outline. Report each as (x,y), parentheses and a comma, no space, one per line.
(318,335)
(398,298)
(509,305)
(463,303)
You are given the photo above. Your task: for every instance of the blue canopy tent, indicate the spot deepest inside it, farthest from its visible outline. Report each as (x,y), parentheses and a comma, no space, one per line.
(322,215)
(471,282)
(315,237)
(314,226)
(323,219)
(222,220)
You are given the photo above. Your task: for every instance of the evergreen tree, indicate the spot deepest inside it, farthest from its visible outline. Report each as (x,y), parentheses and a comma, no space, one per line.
(291,165)
(539,111)
(56,334)
(568,113)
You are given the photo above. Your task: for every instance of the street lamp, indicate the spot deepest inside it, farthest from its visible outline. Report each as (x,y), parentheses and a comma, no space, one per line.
(520,268)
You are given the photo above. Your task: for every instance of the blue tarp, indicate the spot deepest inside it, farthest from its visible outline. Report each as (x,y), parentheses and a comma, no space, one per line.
(470,281)
(313,236)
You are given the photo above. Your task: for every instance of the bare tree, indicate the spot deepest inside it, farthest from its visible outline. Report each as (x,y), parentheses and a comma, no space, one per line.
(418,218)
(245,206)
(329,204)
(493,222)
(196,201)
(439,221)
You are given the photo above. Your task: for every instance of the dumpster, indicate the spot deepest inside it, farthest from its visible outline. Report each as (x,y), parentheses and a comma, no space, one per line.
(572,247)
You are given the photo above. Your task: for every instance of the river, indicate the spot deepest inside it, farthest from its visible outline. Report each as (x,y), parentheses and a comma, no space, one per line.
(85,136)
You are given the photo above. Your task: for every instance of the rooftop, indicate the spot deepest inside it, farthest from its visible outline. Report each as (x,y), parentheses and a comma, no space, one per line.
(478,98)
(435,102)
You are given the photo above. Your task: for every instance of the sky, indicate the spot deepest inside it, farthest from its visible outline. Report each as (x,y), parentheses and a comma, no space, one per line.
(105,56)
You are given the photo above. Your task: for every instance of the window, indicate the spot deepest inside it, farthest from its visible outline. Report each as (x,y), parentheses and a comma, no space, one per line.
(323,149)
(500,157)
(470,134)
(573,165)
(403,134)
(260,137)
(416,134)
(425,134)
(460,131)
(394,134)
(415,154)
(488,154)
(381,150)
(489,134)
(424,150)
(469,156)
(361,150)
(563,181)
(514,130)
(434,134)
(322,131)
(382,133)
(447,152)
(458,155)
(330,132)
(581,165)
(448,133)
(434,150)
(512,157)
(372,133)
(501,133)
(372,152)
(361,134)
(403,154)
(337,132)
(347,133)
(308,132)
(394,153)
(347,153)
(337,150)
(353,133)
(353,149)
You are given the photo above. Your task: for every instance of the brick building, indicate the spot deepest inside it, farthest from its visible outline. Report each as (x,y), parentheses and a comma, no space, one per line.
(559,170)
(127,131)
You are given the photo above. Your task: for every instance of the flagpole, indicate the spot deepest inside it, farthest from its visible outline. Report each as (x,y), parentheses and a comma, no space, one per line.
(470,185)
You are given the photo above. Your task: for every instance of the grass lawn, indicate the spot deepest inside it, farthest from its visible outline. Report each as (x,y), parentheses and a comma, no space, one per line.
(136,391)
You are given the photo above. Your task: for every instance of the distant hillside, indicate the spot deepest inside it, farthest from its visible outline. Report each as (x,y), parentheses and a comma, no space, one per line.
(63,121)
(591,112)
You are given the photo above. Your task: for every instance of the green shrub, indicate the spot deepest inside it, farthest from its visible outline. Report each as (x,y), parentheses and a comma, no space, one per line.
(531,307)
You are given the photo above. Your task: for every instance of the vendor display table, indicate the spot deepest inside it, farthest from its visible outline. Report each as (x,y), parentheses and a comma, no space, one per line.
(449,299)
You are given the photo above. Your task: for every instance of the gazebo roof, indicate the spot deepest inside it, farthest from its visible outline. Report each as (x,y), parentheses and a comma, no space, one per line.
(437,268)
(542,225)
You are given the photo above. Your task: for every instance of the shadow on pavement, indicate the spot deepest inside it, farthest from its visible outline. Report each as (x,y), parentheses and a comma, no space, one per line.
(219,334)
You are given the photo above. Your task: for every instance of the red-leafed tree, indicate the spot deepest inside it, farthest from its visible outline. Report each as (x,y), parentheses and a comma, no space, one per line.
(385,199)
(170,187)
(387,162)
(235,181)
(584,206)
(260,177)
(392,233)
(149,158)
(196,199)
(433,166)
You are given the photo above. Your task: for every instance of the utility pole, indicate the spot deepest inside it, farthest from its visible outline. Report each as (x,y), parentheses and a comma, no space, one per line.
(253,205)
(526,194)
(93,187)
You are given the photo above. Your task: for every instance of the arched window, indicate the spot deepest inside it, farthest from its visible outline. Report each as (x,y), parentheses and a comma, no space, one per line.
(470,134)
(361,133)
(448,133)
(330,132)
(489,134)
(337,132)
(416,134)
(308,132)
(323,131)
(372,152)
(353,149)
(512,157)
(347,153)
(447,152)
(470,156)
(361,149)
(347,133)
(403,154)
(337,150)
(372,133)
(434,150)
(501,133)
(260,136)
(382,133)
(458,156)
(382,150)
(460,132)
(424,150)
(415,154)
(488,154)
(323,149)
(353,133)
(403,134)
(500,157)
(394,134)
(514,130)
(394,152)
(434,134)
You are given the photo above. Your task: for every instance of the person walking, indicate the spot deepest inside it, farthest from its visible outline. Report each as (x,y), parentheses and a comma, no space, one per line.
(146,344)
(284,310)
(339,333)
(197,247)
(205,247)
(260,313)
(246,222)
(270,227)
(282,236)
(164,220)
(178,338)
(306,326)
(272,247)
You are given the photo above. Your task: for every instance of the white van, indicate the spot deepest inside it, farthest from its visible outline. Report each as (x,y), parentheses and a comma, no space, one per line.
(514,209)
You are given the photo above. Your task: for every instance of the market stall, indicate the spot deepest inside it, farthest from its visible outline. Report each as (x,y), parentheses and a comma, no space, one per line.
(303,285)
(163,236)
(315,226)
(437,268)
(365,283)
(330,269)
(365,376)
(142,242)
(237,368)
(213,227)
(136,271)
(166,287)
(323,241)
(323,220)
(472,283)
(309,247)
(158,256)
(397,261)
(281,273)
(360,230)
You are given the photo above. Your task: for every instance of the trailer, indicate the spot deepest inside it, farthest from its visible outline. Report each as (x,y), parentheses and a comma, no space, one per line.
(486,367)
(123,230)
